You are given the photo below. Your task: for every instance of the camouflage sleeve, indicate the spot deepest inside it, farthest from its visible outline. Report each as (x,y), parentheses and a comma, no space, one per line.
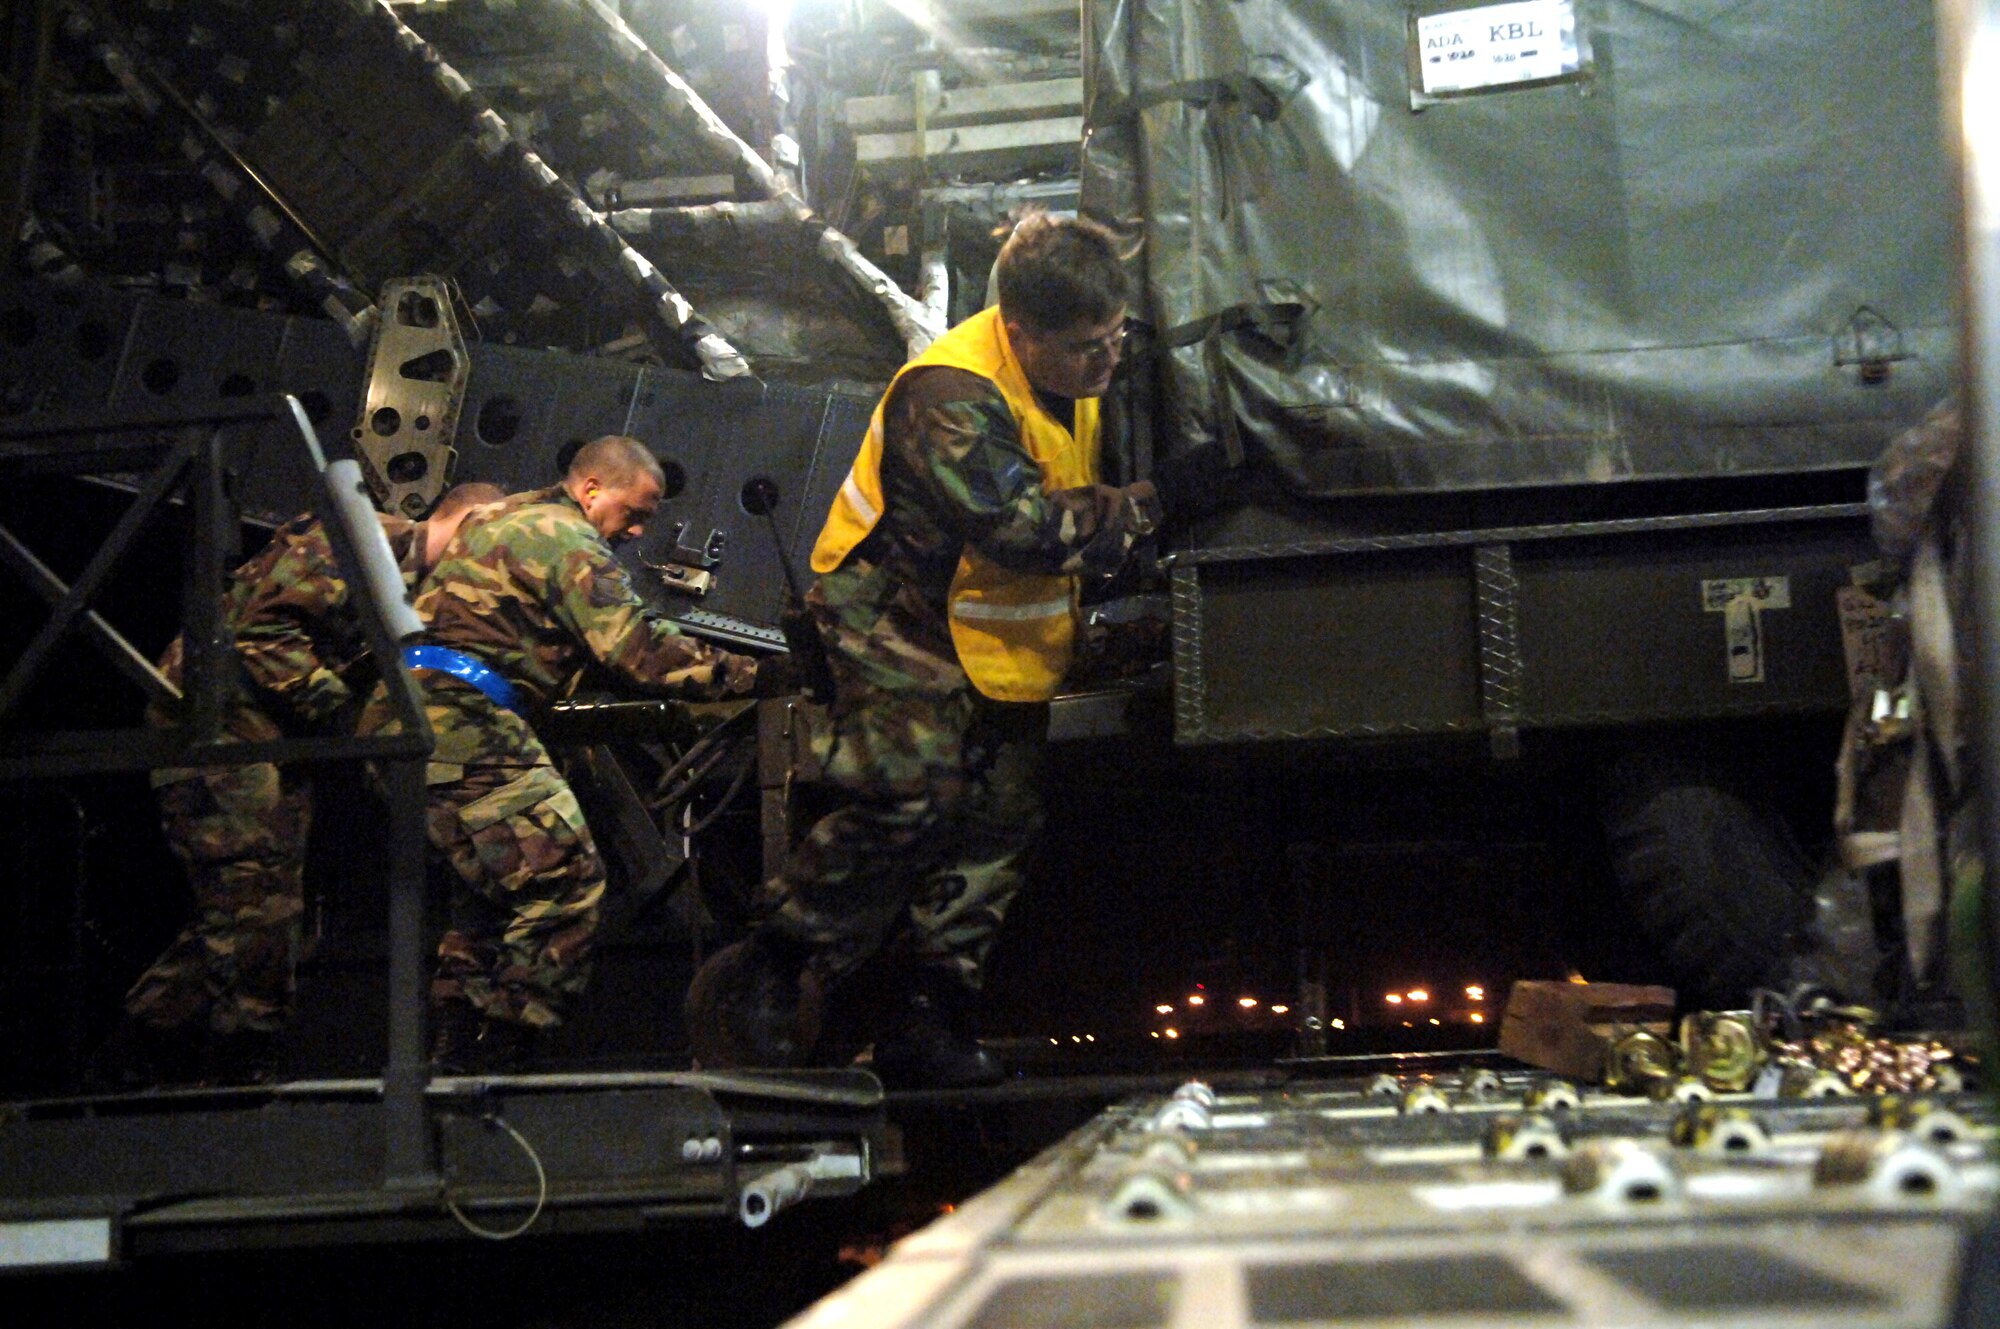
(406,546)
(272,604)
(597,603)
(961,442)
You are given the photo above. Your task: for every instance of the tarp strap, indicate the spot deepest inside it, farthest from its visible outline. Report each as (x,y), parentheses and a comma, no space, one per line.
(1275,321)
(1239,89)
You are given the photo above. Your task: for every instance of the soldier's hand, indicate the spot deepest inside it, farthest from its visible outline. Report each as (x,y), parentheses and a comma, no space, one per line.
(326,702)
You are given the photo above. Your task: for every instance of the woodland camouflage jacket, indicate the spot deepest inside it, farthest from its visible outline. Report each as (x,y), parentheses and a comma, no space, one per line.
(287,611)
(531,589)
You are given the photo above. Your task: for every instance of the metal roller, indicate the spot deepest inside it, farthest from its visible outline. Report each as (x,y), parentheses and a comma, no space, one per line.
(1893,1166)
(1720,1131)
(1529,1139)
(1620,1172)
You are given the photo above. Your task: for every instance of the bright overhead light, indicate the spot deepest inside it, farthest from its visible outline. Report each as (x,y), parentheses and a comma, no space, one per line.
(1419,994)
(1246,1002)
(1196,999)
(1434,1019)
(1165,1008)
(1173,1033)
(1280,1010)
(1475,993)
(1477,1017)
(1336,1024)
(1394,998)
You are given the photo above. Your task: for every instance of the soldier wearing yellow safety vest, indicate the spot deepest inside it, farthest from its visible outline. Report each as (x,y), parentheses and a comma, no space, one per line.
(949,570)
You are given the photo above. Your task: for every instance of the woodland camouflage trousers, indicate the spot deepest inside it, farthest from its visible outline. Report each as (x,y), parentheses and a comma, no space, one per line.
(936,807)
(241,833)
(530,884)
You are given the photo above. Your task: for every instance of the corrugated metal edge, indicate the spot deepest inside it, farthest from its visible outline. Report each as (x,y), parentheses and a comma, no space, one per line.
(912,321)
(718,359)
(305,260)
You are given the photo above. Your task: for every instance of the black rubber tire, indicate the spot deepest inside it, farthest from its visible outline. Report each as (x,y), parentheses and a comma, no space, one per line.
(1718,884)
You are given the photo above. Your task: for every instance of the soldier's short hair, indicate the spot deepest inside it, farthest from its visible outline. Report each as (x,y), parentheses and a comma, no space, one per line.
(1055,273)
(617,460)
(471,494)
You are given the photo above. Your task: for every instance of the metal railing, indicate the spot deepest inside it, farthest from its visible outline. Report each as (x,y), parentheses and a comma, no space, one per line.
(183,456)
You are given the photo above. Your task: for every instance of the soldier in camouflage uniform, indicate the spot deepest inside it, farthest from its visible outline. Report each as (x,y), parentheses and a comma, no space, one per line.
(211,1004)
(949,569)
(529,595)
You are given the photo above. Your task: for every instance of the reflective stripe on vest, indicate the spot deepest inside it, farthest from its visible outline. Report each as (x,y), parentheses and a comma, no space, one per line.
(1014,631)
(984,609)
(850,490)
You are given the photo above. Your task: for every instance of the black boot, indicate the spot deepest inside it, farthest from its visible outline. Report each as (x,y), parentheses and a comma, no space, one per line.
(754,1003)
(470,1042)
(143,1056)
(930,1045)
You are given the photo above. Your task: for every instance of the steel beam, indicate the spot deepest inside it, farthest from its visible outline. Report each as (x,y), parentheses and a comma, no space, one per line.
(21,560)
(29,665)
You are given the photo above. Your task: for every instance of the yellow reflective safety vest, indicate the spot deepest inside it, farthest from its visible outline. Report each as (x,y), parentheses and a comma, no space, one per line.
(1013,630)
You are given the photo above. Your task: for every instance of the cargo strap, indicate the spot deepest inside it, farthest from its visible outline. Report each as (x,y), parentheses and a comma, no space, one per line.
(1910,736)
(1277,321)
(1256,96)
(1240,89)
(1933,675)
(467,669)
